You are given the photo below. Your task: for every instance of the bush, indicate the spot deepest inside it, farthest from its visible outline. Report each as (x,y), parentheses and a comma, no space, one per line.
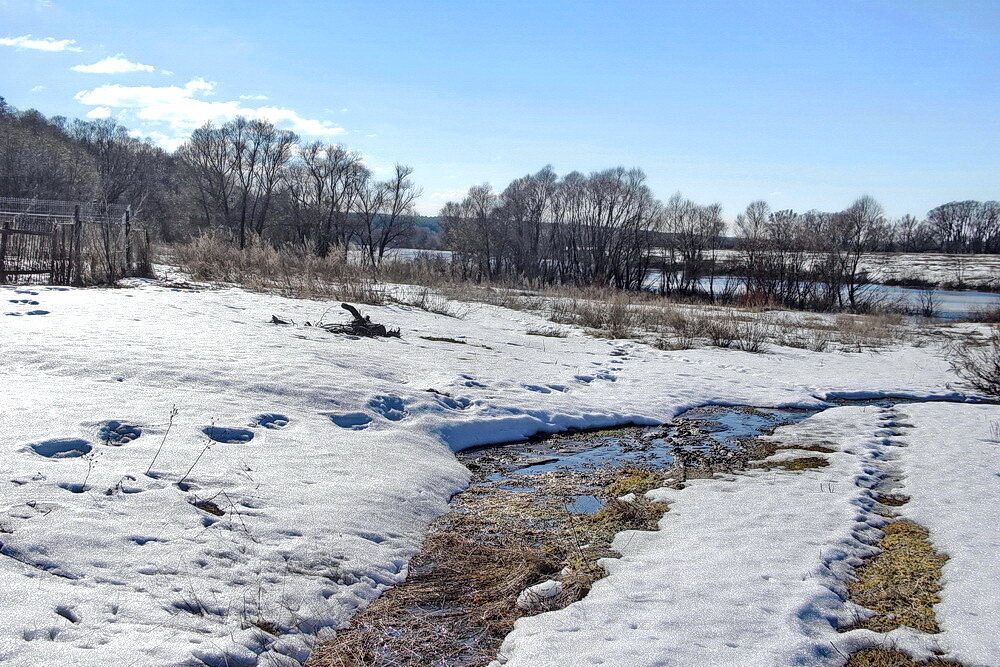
(977,363)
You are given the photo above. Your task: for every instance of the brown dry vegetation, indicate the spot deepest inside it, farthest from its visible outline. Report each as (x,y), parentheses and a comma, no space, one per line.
(900,584)
(882,657)
(668,323)
(458,602)
(800,463)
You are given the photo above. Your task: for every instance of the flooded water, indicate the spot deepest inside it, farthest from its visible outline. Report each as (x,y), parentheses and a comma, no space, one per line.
(530,466)
(947,304)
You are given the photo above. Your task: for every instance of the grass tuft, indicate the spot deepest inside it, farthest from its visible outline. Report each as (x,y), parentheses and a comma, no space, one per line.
(801,463)
(883,657)
(637,482)
(900,584)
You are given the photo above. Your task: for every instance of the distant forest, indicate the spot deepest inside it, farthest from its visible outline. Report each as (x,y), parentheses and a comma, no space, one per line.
(248,181)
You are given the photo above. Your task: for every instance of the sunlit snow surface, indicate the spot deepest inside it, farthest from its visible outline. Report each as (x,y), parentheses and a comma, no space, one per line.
(326,456)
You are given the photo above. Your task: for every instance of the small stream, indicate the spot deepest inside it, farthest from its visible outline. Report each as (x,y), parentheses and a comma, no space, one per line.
(529,466)
(539,510)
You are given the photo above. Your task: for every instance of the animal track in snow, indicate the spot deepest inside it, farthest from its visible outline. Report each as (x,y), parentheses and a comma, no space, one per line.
(352,420)
(116,433)
(391,407)
(454,403)
(271,420)
(228,434)
(471,382)
(62,448)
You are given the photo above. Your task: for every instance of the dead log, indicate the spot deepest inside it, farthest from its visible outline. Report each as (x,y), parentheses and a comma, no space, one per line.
(361,325)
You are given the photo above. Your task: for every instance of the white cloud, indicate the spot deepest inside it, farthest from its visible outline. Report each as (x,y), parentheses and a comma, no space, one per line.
(160,139)
(113,65)
(253,97)
(38,89)
(40,44)
(177,110)
(99,112)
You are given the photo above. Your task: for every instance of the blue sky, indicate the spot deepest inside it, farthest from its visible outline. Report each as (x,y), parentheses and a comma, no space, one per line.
(805,104)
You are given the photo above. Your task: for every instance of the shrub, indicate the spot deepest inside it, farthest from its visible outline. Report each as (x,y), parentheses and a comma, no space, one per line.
(977,362)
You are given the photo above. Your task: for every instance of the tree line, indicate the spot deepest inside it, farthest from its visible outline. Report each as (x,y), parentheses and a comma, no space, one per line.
(607,228)
(244,179)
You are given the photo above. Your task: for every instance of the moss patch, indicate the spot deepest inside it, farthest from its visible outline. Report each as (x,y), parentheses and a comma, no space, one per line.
(900,584)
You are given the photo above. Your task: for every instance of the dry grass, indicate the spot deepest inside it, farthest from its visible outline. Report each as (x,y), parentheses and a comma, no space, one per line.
(800,463)
(884,657)
(900,584)
(289,272)
(808,448)
(548,332)
(666,322)
(637,482)
(596,531)
(977,362)
(433,303)
(454,609)
(458,602)
(892,500)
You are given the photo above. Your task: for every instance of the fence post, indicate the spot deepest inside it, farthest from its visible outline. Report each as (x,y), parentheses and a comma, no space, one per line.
(76,279)
(4,234)
(128,241)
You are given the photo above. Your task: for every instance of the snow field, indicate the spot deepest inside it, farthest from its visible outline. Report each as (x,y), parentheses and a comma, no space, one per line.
(327,456)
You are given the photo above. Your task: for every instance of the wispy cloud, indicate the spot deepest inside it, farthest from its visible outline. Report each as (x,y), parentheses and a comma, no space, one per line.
(99,112)
(253,97)
(181,109)
(37,89)
(113,65)
(40,44)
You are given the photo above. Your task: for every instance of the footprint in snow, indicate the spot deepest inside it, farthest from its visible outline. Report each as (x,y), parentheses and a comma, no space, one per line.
(116,433)
(61,448)
(585,379)
(27,302)
(535,387)
(392,408)
(228,434)
(354,421)
(271,420)
(459,403)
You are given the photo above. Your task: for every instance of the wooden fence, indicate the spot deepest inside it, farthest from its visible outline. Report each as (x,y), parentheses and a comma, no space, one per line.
(46,245)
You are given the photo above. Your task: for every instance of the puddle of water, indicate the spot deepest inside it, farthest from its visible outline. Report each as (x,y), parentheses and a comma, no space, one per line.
(529,466)
(585,505)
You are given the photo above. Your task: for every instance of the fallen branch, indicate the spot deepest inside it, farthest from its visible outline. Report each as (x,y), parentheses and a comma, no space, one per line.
(361,325)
